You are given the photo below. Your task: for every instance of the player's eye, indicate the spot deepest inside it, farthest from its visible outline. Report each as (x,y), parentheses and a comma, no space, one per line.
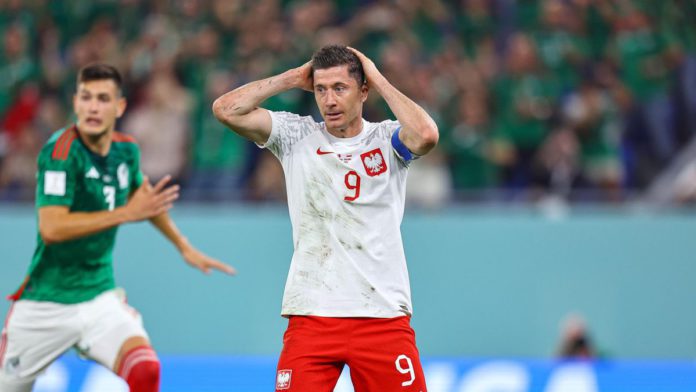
(104,98)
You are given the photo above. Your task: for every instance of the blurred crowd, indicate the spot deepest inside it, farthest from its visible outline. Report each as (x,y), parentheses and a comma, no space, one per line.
(582,99)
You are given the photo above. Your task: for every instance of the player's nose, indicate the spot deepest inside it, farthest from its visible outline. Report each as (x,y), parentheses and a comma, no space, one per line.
(93,106)
(330,99)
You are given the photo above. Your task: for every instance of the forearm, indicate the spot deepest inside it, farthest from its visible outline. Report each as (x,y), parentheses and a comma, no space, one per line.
(243,100)
(189,253)
(60,227)
(419,131)
(239,111)
(166,226)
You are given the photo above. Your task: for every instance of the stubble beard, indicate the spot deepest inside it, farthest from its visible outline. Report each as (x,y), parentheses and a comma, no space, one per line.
(94,138)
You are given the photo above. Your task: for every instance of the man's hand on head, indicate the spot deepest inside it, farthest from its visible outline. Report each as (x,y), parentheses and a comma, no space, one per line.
(304,77)
(369,68)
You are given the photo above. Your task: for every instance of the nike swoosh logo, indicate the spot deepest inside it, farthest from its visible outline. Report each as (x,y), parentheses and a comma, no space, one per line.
(320,152)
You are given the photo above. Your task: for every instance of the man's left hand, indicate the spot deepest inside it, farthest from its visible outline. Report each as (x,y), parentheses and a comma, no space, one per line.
(205,263)
(372,74)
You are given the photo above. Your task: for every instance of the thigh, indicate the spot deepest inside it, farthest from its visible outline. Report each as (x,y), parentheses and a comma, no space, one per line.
(384,357)
(35,334)
(12,384)
(110,323)
(313,355)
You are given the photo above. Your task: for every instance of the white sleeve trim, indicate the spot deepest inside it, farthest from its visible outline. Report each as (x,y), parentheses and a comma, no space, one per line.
(274,131)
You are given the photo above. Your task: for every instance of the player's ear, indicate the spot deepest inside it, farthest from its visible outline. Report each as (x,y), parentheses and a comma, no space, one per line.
(364,90)
(121,107)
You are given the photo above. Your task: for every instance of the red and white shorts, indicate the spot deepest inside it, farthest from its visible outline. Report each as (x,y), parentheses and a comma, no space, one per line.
(37,332)
(380,352)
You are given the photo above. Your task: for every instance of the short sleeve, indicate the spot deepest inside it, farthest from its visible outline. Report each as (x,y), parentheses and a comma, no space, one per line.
(136,174)
(286,130)
(388,128)
(55,180)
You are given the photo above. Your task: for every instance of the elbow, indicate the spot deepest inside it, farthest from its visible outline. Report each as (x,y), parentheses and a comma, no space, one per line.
(428,140)
(431,136)
(224,108)
(48,235)
(219,109)
(228,110)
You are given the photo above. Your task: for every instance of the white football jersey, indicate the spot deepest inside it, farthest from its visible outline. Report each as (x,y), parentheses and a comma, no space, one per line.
(346,203)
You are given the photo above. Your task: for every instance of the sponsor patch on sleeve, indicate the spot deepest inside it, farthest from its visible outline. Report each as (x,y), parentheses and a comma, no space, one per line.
(54,183)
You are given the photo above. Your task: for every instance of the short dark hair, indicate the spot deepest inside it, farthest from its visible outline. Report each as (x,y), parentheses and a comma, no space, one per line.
(337,55)
(100,71)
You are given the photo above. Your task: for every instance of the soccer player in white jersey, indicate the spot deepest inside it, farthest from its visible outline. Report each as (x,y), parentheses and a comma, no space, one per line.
(347,295)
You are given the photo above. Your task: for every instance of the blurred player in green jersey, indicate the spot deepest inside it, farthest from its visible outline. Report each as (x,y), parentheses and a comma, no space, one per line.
(88,183)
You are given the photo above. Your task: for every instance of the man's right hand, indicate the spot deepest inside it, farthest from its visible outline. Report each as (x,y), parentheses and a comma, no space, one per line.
(149,201)
(304,77)
(239,109)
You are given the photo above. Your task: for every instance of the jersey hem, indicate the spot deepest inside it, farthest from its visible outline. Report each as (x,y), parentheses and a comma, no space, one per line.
(62,300)
(347,314)
(54,203)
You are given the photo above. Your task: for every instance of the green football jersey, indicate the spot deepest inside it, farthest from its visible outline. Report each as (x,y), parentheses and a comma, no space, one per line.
(71,175)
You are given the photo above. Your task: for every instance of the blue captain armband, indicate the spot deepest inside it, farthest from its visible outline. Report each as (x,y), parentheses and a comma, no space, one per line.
(401,150)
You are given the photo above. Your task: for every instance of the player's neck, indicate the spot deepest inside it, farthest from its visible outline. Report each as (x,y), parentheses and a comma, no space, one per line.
(99,143)
(351,130)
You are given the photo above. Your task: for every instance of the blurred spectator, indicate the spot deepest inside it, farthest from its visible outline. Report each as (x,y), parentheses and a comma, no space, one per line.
(576,342)
(685,185)
(159,41)
(524,97)
(218,156)
(468,145)
(678,22)
(429,185)
(593,116)
(562,44)
(51,115)
(646,61)
(267,181)
(557,165)
(21,112)
(504,79)
(18,170)
(160,124)
(476,23)
(16,63)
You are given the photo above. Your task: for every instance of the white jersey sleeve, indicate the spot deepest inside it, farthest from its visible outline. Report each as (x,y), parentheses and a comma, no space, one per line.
(346,202)
(287,129)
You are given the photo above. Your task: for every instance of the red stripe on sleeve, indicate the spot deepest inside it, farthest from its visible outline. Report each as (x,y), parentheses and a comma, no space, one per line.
(123,138)
(62,146)
(66,148)
(59,145)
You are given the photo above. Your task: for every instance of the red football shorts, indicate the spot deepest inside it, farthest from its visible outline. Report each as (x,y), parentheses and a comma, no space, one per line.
(381,354)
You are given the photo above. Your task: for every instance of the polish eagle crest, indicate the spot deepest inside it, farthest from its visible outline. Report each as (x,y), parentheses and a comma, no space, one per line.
(374,162)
